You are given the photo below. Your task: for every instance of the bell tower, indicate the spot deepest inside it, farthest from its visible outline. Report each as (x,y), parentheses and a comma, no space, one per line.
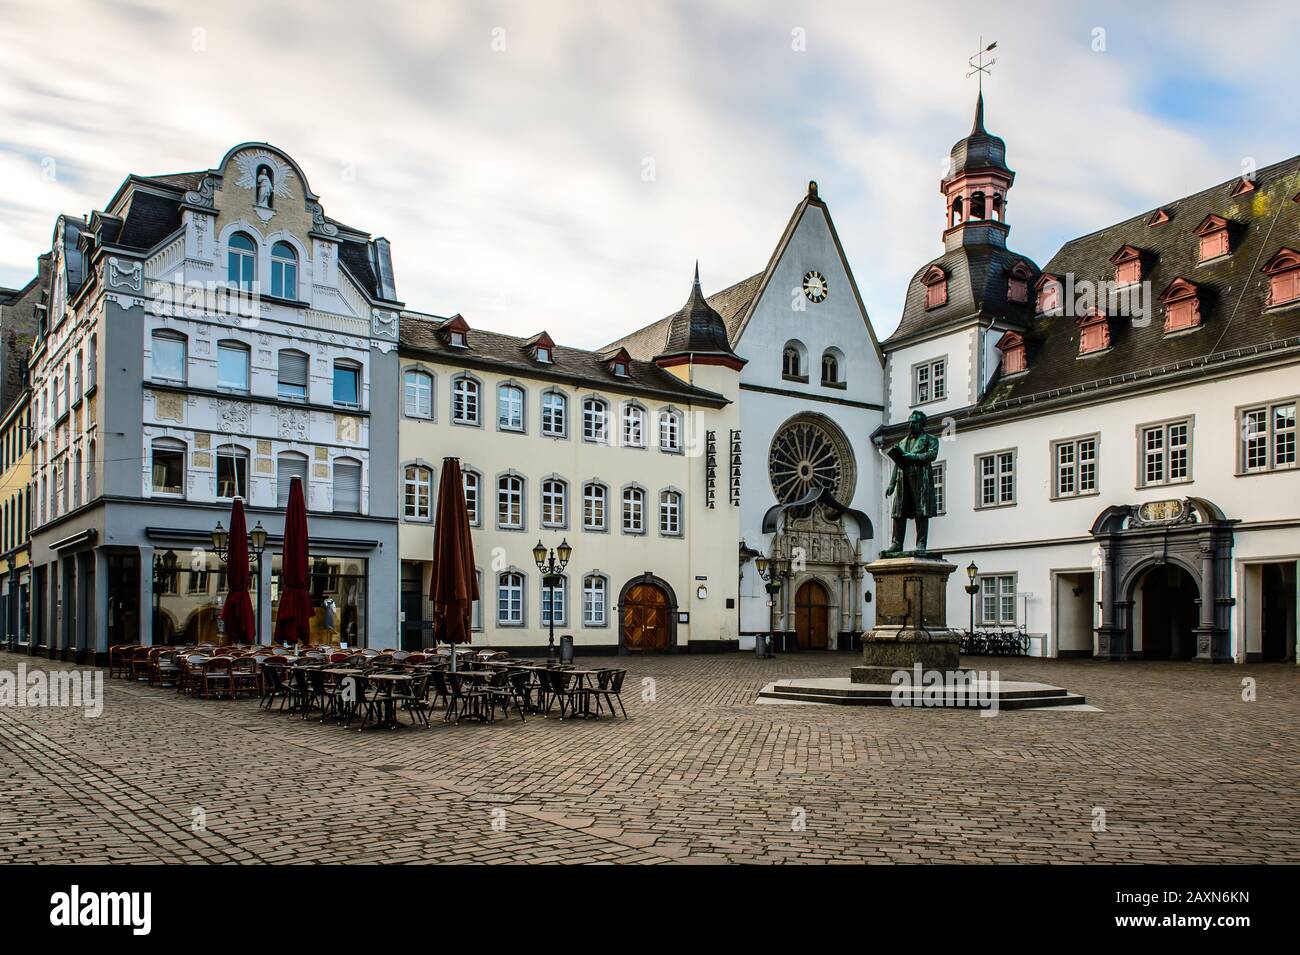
(976,186)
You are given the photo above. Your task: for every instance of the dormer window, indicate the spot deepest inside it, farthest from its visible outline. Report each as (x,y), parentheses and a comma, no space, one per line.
(1182,304)
(1128,265)
(1283,271)
(620,363)
(1012,347)
(1049,294)
(620,369)
(457,340)
(1018,283)
(935,281)
(1159,217)
(455,332)
(1094,332)
(1213,235)
(544,355)
(541,347)
(1243,187)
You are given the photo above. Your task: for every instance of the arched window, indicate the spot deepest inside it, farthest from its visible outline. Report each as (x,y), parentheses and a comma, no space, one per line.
(510,502)
(792,362)
(464,400)
(510,407)
(168,467)
(168,357)
(595,420)
(471,482)
(417,394)
(633,510)
(241,261)
(957,209)
(289,465)
(594,499)
(417,492)
(595,591)
(555,414)
(284,271)
(633,426)
(670,431)
(554,602)
(555,494)
(670,514)
(510,599)
(831,367)
(232,471)
(977,205)
(347,486)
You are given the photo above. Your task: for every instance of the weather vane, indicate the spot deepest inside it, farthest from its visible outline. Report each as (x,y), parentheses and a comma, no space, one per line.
(977,64)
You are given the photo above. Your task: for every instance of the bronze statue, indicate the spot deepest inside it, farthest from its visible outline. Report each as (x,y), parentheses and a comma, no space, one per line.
(912,486)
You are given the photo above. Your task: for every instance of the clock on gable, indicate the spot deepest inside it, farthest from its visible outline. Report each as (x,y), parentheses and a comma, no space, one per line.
(814,286)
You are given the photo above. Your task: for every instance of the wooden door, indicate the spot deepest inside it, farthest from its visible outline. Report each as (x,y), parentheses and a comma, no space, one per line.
(811,616)
(645,619)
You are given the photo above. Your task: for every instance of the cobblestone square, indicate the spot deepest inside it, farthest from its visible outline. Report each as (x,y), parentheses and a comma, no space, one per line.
(1184,769)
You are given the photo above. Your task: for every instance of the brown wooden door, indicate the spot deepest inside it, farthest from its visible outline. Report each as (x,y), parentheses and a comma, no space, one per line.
(645,619)
(811,616)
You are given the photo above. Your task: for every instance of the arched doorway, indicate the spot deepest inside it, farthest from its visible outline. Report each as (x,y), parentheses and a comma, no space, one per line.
(812,616)
(1169,613)
(647,616)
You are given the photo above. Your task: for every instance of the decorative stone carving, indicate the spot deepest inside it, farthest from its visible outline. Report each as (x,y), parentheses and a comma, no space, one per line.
(293,424)
(384,322)
(233,415)
(264,466)
(201,459)
(253,174)
(168,407)
(322,454)
(202,441)
(203,197)
(348,429)
(128,275)
(263,446)
(320,470)
(318,223)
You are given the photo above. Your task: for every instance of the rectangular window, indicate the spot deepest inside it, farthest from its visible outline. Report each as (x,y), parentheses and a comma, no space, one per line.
(1166,452)
(294,366)
(553,601)
(997,478)
(670,432)
(997,600)
(168,358)
(930,381)
(232,367)
(417,493)
(510,408)
(510,600)
(470,481)
(347,487)
(1075,467)
(593,602)
(347,386)
(633,511)
(1268,435)
(670,513)
(633,427)
(464,401)
(232,473)
(288,467)
(553,503)
(168,470)
(476,608)
(940,472)
(593,507)
(594,416)
(510,502)
(554,424)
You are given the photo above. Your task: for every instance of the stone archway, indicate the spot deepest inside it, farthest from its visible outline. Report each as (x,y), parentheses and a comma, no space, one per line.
(1191,534)
(647,616)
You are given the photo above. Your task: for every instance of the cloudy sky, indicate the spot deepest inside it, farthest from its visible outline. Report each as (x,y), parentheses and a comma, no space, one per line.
(560,164)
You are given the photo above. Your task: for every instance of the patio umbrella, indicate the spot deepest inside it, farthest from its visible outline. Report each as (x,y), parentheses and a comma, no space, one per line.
(237,613)
(293,616)
(454,587)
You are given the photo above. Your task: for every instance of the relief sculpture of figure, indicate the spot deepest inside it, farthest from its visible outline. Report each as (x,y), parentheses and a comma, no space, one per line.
(912,486)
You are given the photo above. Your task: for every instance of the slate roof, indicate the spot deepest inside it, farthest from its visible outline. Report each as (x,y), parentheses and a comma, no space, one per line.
(510,354)
(731,304)
(980,150)
(147,220)
(1233,290)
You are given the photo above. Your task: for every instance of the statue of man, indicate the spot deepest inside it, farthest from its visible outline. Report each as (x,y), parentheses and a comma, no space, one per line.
(912,485)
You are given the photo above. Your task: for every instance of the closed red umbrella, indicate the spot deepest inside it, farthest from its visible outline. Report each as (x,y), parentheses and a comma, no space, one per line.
(294,613)
(237,613)
(454,587)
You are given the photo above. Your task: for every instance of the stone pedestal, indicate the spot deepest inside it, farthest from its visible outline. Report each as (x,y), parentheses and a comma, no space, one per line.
(911,596)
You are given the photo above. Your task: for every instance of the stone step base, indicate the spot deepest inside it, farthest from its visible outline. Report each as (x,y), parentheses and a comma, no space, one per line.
(844,692)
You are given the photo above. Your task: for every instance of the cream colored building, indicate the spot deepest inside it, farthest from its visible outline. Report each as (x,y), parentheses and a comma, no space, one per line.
(628,460)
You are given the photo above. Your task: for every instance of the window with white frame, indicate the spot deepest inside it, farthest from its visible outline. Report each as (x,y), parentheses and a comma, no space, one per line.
(510,599)
(670,431)
(555,411)
(633,510)
(417,394)
(633,426)
(997,478)
(510,502)
(294,368)
(554,494)
(510,408)
(930,381)
(594,589)
(939,471)
(232,366)
(1268,436)
(347,384)
(232,471)
(1166,452)
(471,482)
(997,600)
(595,420)
(168,357)
(1074,464)
(594,499)
(464,400)
(284,271)
(241,261)
(417,492)
(670,513)
(168,467)
(553,602)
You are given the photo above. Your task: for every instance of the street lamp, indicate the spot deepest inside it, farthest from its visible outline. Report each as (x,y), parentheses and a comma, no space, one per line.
(256,546)
(773,571)
(972,589)
(551,564)
(164,570)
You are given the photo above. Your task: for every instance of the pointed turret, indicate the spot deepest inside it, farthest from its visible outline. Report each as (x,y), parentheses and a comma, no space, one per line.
(697,332)
(976,186)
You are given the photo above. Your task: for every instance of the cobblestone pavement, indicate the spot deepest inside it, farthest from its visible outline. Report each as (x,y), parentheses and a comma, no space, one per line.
(1183,768)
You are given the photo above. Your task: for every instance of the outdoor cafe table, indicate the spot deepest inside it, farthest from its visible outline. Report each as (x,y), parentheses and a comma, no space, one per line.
(389,682)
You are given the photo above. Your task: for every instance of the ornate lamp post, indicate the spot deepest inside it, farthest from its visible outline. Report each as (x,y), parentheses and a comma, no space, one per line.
(256,545)
(551,563)
(773,571)
(972,589)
